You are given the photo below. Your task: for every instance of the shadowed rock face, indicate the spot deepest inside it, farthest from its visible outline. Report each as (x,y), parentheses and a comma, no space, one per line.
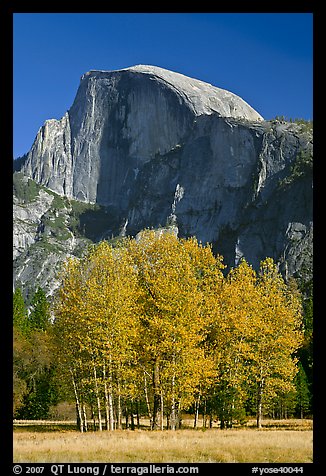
(154,146)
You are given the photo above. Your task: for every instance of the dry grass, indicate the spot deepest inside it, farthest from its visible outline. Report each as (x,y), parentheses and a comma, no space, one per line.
(269,445)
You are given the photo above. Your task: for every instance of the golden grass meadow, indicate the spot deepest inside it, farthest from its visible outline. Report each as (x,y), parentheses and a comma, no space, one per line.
(284,441)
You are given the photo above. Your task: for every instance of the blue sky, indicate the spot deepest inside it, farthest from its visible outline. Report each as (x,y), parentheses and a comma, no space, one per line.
(266,58)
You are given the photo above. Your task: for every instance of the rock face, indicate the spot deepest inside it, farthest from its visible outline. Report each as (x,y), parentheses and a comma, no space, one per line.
(152,146)
(44,235)
(119,121)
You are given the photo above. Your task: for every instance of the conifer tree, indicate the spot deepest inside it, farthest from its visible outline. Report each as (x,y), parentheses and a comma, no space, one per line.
(40,314)
(303,394)
(20,316)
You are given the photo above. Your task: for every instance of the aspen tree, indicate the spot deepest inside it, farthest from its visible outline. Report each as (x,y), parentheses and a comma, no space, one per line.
(96,314)
(229,340)
(69,330)
(172,317)
(276,335)
(155,319)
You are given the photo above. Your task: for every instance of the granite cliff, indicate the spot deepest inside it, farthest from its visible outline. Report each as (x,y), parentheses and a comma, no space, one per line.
(150,147)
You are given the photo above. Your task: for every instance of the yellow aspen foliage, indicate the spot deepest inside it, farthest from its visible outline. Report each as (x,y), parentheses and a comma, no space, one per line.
(276,335)
(255,335)
(155,320)
(174,276)
(96,321)
(229,340)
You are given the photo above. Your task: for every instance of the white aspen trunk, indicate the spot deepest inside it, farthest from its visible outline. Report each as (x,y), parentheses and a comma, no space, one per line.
(232,413)
(107,413)
(156,388)
(173,409)
(162,412)
(85,417)
(119,409)
(260,403)
(99,414)
(197,402)
(78,407)
(147,401)
(98,401)
(179,419)
(111,412)
(106,400)
(172,417)
(173,402)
